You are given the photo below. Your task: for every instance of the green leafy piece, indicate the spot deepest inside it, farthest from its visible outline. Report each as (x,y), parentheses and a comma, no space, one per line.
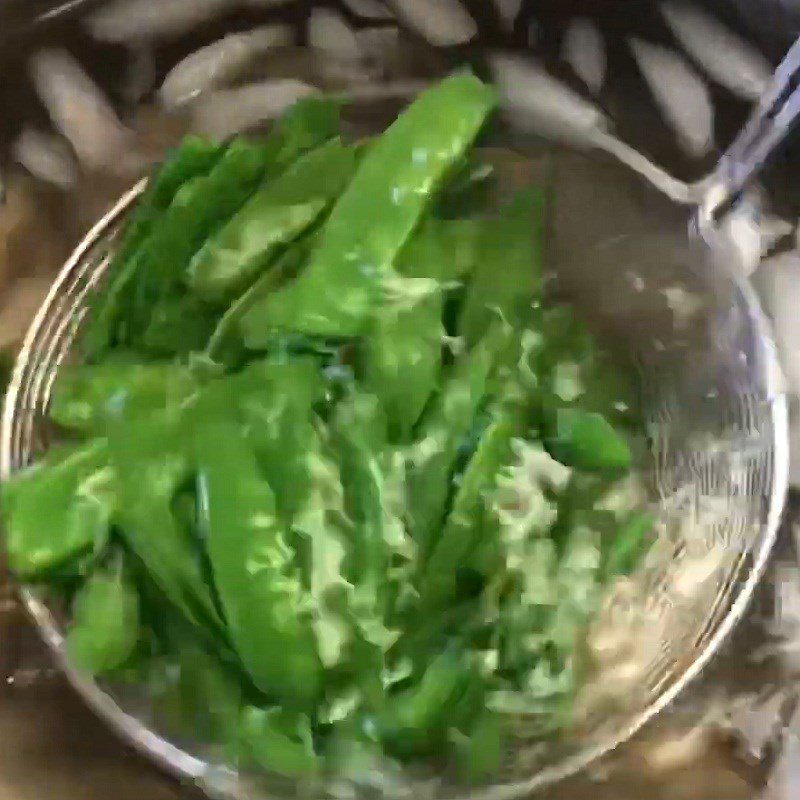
(151,457)
(403,349)
(441,430)
(279,741)
(309,123)
(59,509)
(416,721)
(225,343)
(479,752)
(194,157)
(259,587)
(359,426)
(277,213)
(507,277)
(338,291)
(196,211)
(195,693)
(89,398)
(226,272)
(272,400)
(462,529)
(587,440)
(381,554)
(105,621)
(179,325)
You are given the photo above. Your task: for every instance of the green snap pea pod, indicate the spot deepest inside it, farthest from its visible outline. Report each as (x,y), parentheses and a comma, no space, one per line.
(479,751)
(359,427)
(278,212)
(194,694)
(225,342)
(225,272)
(416,721)
(404,344)
(309,123)
(273,401)
(58,509)
(580,395)
(151,459)
(441,430)
(194,157)
(575,370)
(462,529)
(194,680)
(586,440)
(88,398)
(279,741)
(197,209)
(286,434)
(507,276)
(259,587)
(379,549)
(104,628)
(179,325)
(404,359)
(395,181)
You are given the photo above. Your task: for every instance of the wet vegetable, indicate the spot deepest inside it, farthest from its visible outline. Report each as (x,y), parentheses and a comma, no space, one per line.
(105,621)
(260,589)
(59,509)
(280,211)
(372,220)
(340,487)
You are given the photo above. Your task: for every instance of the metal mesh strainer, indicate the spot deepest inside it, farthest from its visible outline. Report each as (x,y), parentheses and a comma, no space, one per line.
(717,431)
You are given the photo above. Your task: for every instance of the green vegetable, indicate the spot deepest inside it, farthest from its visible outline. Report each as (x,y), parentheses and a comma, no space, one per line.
(59,509)
(250,557)
(193,158)
(307,124)
(404,346)
(89,398)
(507,276)
(278,741)
(272,401)
(338,290)
(479,753)
(225,342)
(277,213)
(449,419)
(196,683)
(448,693)
(587,440)
(179,325)
(151,459)
(199,207)
(462,529)
(105,622)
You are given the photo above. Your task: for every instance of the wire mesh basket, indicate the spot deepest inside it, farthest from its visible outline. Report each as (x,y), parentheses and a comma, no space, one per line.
(717,435)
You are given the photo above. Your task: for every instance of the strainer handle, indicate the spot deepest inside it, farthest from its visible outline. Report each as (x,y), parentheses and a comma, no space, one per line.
(775,115)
